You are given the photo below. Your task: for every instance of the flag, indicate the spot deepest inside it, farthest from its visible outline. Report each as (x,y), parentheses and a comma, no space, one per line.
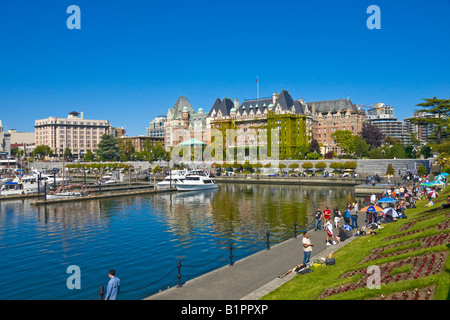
(256,79)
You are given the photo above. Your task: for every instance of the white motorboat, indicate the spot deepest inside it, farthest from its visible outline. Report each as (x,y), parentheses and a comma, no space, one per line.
(177,176)
(19,187)
(195,182)
(108,179)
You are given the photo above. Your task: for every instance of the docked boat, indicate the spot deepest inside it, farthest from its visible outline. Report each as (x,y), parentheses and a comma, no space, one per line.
(108,179)
(19,187)
(195,182)
(177,176)
(70,191)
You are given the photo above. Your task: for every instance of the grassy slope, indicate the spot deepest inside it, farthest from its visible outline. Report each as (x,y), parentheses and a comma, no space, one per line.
(348,258)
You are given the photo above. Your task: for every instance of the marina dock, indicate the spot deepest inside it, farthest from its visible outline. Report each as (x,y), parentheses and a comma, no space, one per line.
(105,193)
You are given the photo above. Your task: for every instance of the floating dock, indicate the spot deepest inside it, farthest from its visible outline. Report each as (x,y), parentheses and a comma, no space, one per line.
(133,191)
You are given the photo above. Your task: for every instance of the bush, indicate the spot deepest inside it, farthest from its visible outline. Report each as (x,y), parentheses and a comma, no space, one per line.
(336,165)
(329,155)
(294,165)
(320,165)
(349,165)
(312,156)
(307,165)
(390,169)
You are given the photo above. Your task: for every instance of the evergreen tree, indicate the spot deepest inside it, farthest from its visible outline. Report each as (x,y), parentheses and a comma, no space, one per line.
(108,148)
(439,107)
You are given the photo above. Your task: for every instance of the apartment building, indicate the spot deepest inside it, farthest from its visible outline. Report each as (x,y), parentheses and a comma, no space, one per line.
(74,132)
(5,142)
(382,116)
(422,130)
(156,127)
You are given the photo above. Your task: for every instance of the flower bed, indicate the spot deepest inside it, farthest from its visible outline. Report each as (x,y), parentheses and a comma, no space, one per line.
(421,266)
(416,294)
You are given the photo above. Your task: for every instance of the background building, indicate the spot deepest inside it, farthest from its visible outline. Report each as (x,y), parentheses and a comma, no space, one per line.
(5,142)
(138,142)
(23,141)
(74,132)
(332,115)
(156,127)
(382,116)
(423,131)
(254,121)
(183,123)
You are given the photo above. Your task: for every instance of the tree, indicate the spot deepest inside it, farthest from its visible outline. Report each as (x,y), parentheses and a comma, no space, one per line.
(397,151)
(42,151)
(67,153)
(390,169)
(293,165)
(126,149)
(372,135)
(337,166)
(438,107)
(349,143)
(314,146)
(89,156)
(108,148)
(320,165)
(421,170)
(307,165)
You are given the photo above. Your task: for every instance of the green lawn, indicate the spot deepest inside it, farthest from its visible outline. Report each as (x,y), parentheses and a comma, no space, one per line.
(399,261)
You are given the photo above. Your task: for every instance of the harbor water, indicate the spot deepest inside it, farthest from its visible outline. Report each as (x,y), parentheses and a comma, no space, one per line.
(143,237)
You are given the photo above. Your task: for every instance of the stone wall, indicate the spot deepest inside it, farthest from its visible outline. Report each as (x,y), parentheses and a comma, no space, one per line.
(363,166)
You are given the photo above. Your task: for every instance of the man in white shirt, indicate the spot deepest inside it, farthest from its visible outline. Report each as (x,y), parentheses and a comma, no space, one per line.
(307,248)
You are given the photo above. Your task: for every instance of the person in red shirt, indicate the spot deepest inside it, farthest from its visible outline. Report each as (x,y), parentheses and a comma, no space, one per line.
(326,215)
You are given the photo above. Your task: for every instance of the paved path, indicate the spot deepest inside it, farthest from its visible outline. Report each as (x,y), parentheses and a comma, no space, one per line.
(252,277)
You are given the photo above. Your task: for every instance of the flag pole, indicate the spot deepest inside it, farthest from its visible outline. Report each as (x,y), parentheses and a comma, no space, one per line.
(257,88)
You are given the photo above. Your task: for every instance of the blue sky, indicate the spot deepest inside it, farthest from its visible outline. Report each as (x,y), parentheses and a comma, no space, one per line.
(132,59)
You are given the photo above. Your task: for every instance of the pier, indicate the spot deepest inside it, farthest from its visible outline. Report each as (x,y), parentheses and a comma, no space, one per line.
(105,193)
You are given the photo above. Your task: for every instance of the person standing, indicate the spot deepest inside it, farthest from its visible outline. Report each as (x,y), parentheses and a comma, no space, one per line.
(330,235)
(354,216)
(326,216)
(318,218)
(307,248)
(337,217)
(113,289)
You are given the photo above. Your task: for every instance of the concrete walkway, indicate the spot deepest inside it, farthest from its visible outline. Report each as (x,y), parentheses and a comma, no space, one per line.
(254,276)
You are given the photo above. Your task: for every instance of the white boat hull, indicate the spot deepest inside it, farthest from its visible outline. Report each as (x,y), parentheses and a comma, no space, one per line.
(64,196)
(192,187)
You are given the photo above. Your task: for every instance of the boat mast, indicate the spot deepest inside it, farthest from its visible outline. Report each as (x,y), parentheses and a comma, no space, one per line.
(64,156)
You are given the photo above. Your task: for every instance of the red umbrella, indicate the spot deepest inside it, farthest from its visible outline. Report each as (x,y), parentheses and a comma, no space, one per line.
(433,194)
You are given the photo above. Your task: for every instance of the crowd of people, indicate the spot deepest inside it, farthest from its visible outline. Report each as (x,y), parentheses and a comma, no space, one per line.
(400,198)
